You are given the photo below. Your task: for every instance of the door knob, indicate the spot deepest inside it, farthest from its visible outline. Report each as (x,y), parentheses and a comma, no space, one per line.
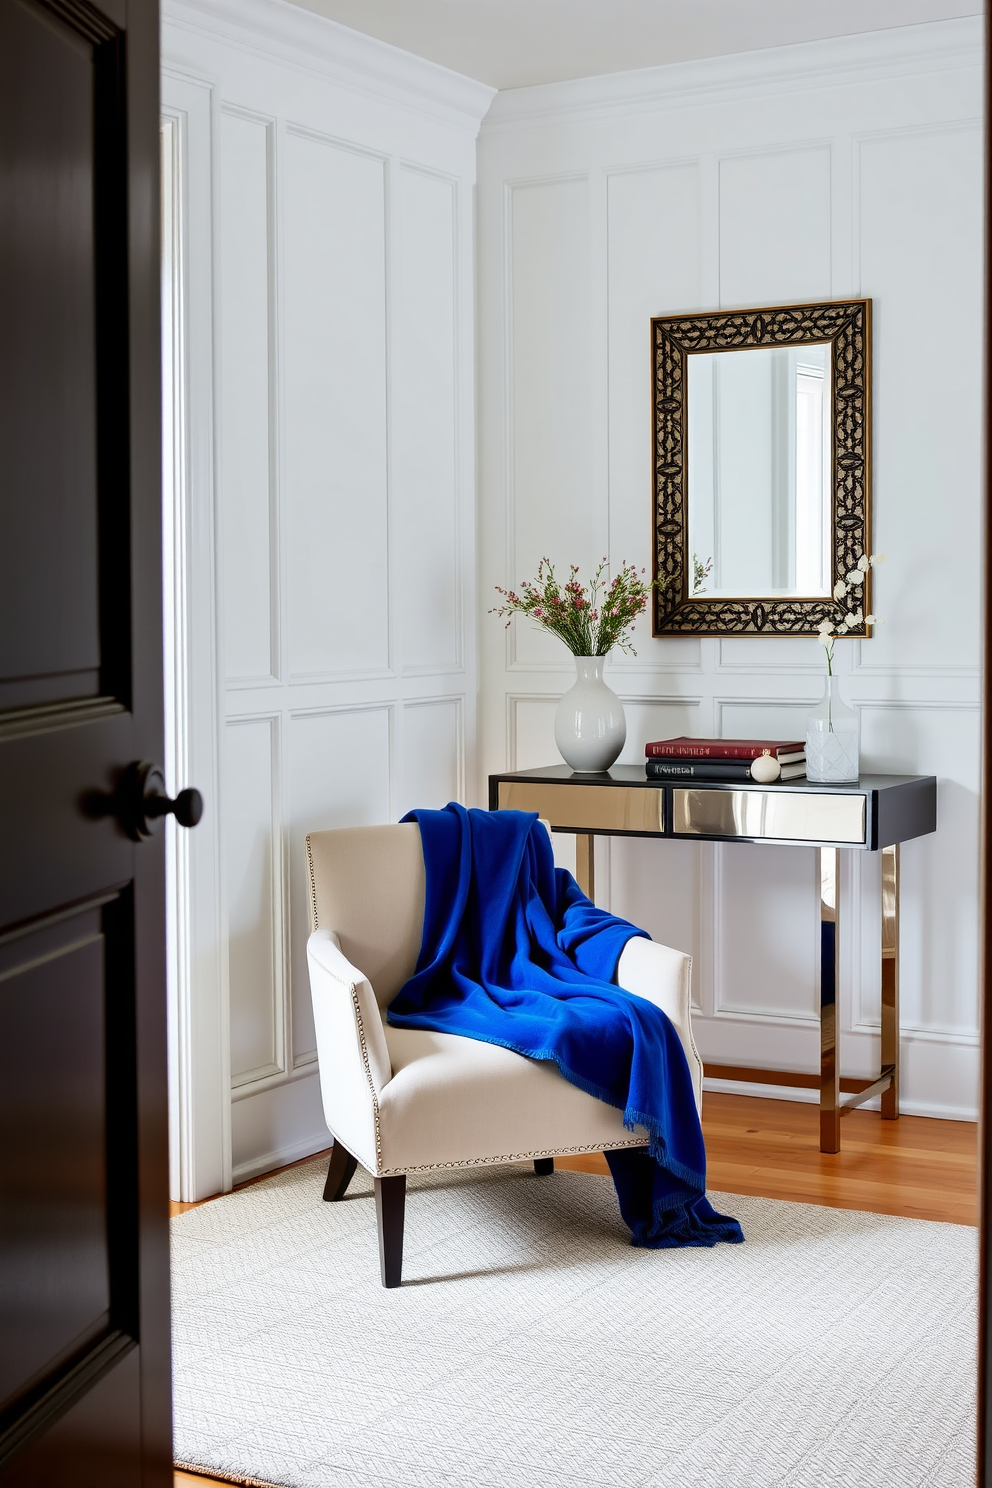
(141,801)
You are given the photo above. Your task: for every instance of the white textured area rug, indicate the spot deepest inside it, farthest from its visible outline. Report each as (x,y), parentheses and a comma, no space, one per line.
(531,1346)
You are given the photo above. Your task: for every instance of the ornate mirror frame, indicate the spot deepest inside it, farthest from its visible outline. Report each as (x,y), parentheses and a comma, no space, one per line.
(846,325)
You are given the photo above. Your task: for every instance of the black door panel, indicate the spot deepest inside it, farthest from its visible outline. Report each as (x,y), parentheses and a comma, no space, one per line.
(84,1354)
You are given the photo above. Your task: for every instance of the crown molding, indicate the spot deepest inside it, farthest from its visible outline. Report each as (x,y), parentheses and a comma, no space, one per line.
(902,51)
(299,38)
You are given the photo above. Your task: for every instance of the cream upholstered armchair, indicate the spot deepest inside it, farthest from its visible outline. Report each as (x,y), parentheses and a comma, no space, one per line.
(399,1100)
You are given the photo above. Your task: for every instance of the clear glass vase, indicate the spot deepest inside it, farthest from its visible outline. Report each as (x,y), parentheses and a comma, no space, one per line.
(833,738)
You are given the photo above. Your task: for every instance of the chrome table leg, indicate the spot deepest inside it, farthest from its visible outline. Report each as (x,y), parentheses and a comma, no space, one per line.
(829,865)
(585,863)
(890,980)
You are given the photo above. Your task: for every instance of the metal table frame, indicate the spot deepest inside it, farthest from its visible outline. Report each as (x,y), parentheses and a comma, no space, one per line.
(875,814)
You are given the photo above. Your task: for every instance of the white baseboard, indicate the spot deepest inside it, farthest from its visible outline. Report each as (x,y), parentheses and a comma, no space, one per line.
(281,1159)
(811,1097)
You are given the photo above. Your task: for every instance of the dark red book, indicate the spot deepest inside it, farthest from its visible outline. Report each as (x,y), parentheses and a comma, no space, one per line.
(785,751)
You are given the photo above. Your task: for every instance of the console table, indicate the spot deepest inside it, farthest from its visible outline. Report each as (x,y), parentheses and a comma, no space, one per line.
(873,814)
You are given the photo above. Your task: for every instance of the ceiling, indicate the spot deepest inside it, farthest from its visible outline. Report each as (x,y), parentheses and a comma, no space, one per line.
(515,43)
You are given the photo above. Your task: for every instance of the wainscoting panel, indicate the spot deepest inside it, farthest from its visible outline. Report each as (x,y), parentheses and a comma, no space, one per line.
(766,718)
(254,906)
(550,340)
(657,718)
(424,463)
(531,732)
(654,259)
(775,227)
(338,767)
(840,168)
(335,406)
(769,654)
(767,932)
(923,263)
(663,889)
(432,770)
(247,244)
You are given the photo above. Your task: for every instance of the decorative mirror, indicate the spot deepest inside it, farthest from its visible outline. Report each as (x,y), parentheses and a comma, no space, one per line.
(762,466)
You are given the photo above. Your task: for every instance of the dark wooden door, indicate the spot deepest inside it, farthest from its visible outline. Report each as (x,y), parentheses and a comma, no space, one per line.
(84,1350)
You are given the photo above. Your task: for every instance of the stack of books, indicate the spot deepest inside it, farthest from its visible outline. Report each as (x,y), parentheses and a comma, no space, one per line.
(726,760)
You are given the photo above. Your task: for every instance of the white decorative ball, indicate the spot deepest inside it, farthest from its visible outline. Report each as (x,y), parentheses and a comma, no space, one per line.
(765,769)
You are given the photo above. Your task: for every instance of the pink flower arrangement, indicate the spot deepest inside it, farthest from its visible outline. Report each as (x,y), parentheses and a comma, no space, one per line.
(590,620)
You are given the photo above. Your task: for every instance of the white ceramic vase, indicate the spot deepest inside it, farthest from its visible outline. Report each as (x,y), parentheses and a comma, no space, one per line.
(590,728)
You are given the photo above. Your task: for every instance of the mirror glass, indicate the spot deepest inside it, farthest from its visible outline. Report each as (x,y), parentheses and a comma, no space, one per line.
(759,472)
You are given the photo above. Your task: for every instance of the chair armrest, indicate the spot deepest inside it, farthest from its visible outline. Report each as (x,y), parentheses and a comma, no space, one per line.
(352,1056)
(662,976)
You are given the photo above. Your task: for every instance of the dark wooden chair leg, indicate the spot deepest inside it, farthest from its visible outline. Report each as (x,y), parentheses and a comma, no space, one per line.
(340,1171)
(390,1202)
(543,1166)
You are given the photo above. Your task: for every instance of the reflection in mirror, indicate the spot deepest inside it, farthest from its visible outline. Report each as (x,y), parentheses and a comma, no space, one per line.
(759,476)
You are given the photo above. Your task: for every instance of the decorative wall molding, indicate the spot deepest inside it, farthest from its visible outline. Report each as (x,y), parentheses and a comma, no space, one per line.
(456,700)
(280,1156)
(869,59)
(513,701)
(276,31)
(256,1084)
(271,1071)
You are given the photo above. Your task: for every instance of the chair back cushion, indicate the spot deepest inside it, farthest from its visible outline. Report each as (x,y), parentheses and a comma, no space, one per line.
(367,885)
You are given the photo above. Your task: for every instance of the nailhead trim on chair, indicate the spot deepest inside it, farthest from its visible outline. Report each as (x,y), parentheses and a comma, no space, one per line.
(692,1041)
(485,1162)
(313,886)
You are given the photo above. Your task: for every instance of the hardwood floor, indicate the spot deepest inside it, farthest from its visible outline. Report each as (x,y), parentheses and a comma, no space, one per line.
(915,1166)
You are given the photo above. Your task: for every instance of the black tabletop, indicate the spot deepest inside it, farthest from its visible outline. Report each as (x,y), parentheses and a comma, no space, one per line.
(633,775)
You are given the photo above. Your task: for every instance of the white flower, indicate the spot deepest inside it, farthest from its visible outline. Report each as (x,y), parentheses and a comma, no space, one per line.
(864,563)
(825,627)
(826,640)
(855,578)
(873,620)
(840,589)
(876,558)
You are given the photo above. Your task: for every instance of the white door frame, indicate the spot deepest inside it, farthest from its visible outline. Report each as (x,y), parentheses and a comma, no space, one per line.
(198,1015)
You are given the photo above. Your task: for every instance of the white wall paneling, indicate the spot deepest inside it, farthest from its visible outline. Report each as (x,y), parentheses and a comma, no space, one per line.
(550,387)
(432,752)
(425,455)
(925,258)
(339,174)
(338,774)
(778,254)
(256,972)
(248,387)
(835,169)
(335,406)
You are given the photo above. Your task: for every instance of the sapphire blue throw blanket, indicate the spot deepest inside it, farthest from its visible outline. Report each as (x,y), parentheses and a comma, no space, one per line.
(513,953)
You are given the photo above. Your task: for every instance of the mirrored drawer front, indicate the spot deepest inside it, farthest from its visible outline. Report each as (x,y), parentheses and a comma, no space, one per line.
(587,808)
(787,817)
